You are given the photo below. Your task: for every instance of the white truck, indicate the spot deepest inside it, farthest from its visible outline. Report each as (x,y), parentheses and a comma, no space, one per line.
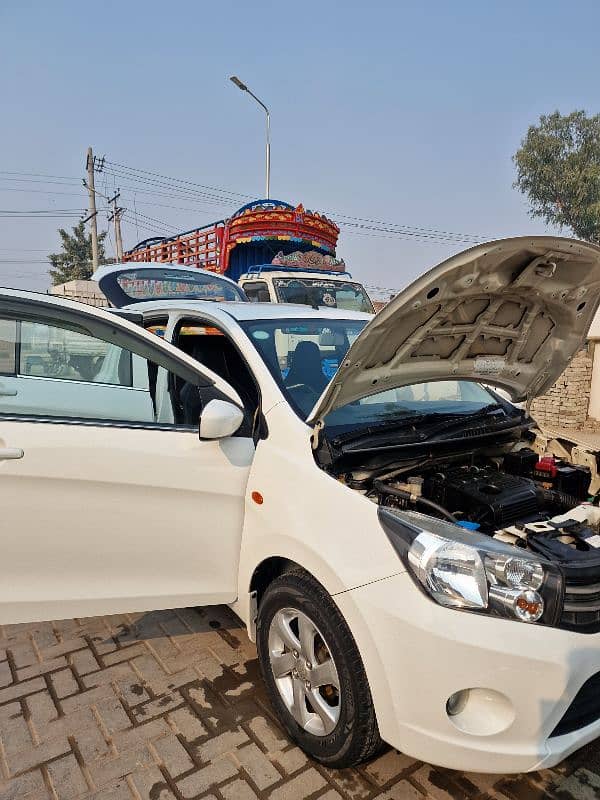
(316,288)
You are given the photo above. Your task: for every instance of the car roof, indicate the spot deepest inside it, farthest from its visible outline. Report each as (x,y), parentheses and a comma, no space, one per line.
(128,266)
(250,311)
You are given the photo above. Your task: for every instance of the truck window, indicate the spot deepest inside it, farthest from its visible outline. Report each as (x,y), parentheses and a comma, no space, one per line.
(257,291)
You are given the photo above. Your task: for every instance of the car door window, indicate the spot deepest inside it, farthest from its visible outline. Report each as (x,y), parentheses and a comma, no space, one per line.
(50,351)
(56,370)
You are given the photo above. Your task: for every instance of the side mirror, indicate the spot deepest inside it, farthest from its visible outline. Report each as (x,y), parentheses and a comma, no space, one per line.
(219,419)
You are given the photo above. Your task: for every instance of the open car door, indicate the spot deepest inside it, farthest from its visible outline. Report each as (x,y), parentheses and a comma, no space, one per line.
(108,506)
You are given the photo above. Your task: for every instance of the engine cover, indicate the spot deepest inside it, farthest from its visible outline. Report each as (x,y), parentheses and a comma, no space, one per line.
(483,495)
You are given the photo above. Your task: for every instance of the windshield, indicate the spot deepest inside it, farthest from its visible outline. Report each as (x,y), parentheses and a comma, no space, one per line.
(318,292)
(303,355)
(411,402)
(157,283)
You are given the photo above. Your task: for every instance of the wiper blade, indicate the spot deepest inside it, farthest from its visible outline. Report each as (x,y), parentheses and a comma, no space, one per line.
(382,427)
(419,438)
(412,419)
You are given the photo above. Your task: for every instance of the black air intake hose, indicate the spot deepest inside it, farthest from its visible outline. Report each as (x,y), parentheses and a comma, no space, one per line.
(415,499)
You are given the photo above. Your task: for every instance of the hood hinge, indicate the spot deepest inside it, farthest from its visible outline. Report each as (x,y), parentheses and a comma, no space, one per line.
(315,434)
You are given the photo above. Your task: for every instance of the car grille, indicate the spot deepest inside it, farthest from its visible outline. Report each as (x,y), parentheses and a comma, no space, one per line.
(584,709)
(581,608)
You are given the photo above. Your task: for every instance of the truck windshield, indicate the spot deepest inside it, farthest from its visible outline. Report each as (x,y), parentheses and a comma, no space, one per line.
(304,354)
(319,292)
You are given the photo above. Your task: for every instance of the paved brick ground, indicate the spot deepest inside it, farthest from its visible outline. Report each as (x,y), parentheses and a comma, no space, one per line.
(170,705)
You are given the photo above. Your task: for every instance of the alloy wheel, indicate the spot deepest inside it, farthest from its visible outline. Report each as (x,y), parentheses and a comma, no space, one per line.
(304,671)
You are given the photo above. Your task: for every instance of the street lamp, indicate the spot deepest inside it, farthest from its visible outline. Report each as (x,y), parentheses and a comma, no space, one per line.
(244,88)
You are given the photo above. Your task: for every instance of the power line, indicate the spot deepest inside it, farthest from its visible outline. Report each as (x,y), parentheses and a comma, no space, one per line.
(40,217)
(158,185)
(35,180)
(219,189)
(395,228)
(37,175)
(374,227)
(40,211)
(183,192)
(40,191)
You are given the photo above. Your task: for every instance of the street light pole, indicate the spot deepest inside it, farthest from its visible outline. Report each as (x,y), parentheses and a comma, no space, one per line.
(234,79)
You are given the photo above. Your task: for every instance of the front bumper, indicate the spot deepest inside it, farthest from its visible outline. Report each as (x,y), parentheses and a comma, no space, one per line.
(417,654)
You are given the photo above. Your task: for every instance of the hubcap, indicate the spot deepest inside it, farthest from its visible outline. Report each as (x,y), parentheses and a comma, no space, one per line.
(304,671)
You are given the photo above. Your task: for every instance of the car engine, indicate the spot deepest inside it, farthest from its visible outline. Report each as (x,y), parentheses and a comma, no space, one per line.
(538,503)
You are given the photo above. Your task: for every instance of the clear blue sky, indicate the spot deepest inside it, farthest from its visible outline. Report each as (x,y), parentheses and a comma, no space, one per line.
(405,112)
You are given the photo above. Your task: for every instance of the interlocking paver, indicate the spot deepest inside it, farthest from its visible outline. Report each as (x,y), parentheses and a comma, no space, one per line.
(64,683)
(290,760)
(31,756)
(5,674)
(16,690)
(169,706)
(238,790)
(257,765)
(187,724)
(41,669)
(387,766)
(66,778)
(107,771)
(301,786)
(225,743)
(41,710)
(173,755)
(30,786)
(206,777)
(151,783)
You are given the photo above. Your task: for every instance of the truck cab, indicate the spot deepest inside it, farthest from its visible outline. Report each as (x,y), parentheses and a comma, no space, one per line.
(316,288)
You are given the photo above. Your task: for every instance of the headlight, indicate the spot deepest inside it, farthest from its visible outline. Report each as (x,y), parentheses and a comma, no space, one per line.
(473,572)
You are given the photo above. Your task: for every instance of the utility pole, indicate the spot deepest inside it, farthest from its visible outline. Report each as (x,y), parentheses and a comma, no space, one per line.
(116,217)
(93,213)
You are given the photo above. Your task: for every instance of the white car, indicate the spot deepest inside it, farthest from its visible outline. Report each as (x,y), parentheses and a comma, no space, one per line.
(413,566)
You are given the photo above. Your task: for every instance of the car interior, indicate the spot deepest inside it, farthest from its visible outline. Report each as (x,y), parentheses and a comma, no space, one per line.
(212,348)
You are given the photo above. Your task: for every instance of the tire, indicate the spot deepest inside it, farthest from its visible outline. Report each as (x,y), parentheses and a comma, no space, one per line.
(333,722)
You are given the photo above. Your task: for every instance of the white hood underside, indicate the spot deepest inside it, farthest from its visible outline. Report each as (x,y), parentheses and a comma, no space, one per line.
(510,313)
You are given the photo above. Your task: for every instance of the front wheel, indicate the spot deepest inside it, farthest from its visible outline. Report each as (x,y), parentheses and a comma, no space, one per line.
(314,673)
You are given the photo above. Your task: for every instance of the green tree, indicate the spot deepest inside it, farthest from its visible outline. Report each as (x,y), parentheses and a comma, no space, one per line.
(558,168)
(75,260)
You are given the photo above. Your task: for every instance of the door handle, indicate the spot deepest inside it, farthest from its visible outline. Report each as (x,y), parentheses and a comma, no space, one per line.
(11,453)
(8,392)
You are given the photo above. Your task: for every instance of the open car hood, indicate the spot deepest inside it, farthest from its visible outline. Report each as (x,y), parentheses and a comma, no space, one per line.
(510,313)
(138,281)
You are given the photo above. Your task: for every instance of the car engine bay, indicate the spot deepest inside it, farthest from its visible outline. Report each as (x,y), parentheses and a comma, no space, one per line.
(530,493)
(539,503)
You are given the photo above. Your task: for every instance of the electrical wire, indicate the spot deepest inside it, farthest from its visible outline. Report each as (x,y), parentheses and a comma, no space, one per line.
(217,195)
(219,189)
(362,225)
(37,175)
(155,185)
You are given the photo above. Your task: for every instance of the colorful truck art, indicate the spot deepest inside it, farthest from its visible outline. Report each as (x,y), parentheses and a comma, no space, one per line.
(255,234)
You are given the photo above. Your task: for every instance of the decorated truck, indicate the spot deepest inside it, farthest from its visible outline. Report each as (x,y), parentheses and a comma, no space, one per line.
(277,253)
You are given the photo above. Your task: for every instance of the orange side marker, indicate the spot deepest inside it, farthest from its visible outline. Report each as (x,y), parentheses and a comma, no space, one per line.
(258,498)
